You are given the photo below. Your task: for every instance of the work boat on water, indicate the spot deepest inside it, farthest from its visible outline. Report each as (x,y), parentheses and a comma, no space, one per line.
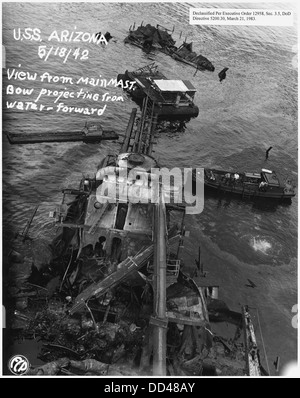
(265,184)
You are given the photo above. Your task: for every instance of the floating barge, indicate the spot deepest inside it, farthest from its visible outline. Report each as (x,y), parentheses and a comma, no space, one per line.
(92,133)
(265,184)
(172,99)
(150,37)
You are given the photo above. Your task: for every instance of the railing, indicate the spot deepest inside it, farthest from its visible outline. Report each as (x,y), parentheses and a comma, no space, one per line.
(151,69)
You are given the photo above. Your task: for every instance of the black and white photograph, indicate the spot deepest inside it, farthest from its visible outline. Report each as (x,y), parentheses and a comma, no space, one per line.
(149,192)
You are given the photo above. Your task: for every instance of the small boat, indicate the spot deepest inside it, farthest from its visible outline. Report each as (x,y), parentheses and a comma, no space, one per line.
(265,184)
(172,99)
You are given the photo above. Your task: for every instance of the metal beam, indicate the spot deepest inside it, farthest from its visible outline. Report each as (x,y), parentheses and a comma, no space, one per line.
(251,349)
(128,133)
(160,265)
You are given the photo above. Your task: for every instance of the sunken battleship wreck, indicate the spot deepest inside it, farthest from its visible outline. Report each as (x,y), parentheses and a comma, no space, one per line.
(150,37)
(112,297)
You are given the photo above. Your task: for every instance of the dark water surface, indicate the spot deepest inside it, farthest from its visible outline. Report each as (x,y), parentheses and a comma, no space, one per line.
(255,107)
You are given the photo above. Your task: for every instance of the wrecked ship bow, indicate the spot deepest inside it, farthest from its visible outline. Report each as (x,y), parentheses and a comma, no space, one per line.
(134,242)
(116,300)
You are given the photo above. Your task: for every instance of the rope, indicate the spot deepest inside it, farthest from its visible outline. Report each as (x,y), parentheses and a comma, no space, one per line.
(65,274)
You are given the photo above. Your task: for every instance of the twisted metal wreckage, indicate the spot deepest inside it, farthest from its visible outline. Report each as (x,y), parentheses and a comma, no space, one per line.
(113,298)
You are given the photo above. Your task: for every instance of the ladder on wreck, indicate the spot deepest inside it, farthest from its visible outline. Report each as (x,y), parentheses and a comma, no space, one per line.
(146,128)
(141,140)
(150,69)
(172,271)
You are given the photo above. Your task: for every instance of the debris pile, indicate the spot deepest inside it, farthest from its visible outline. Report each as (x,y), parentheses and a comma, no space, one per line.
(150,36)
(185,54)
(113,334)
